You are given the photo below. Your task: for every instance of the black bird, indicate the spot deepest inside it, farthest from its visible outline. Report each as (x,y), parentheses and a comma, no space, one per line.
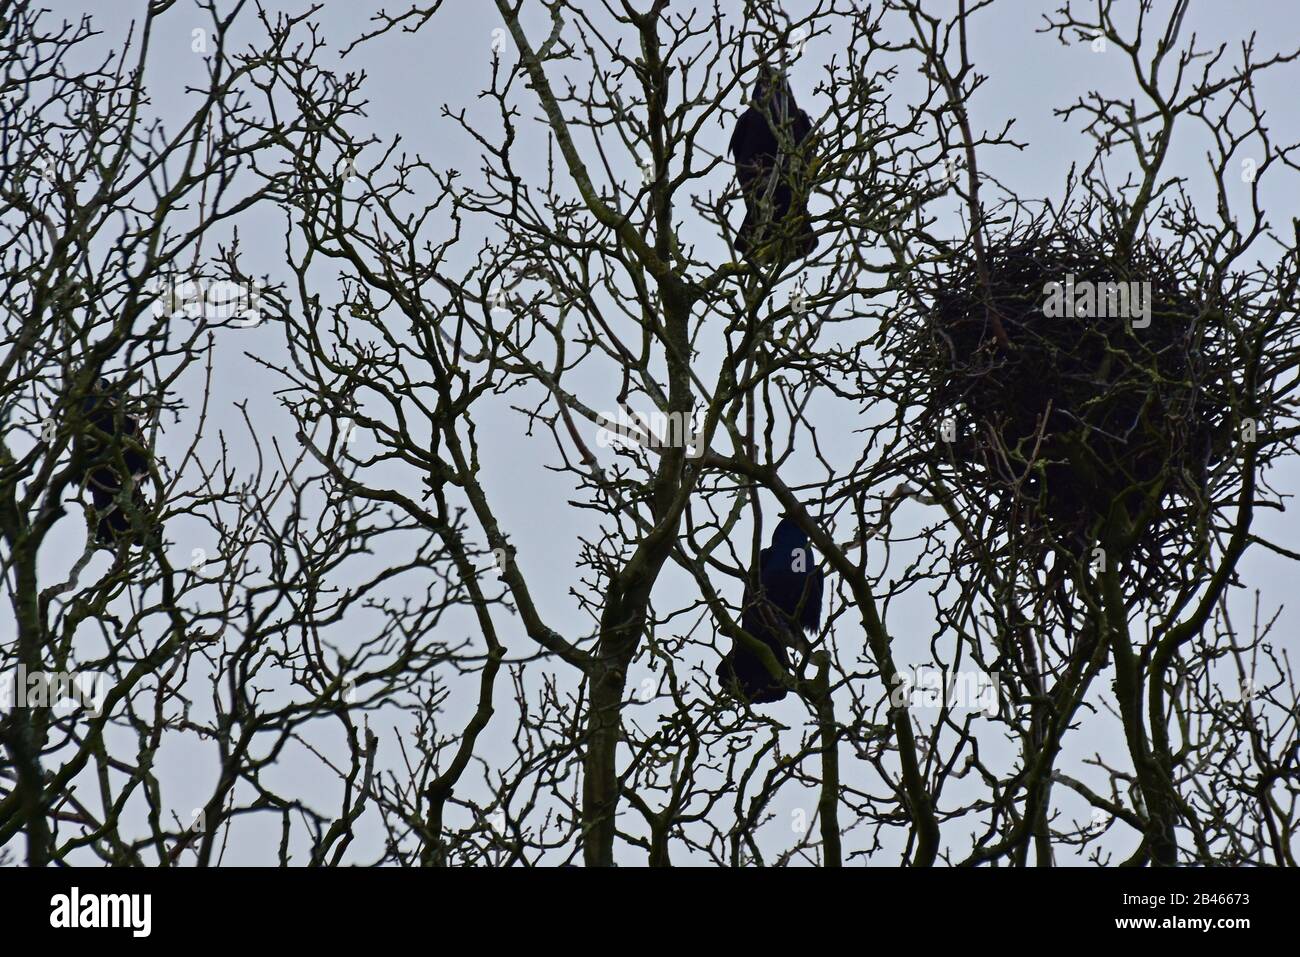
(772,179)
(788,598)
(111,453)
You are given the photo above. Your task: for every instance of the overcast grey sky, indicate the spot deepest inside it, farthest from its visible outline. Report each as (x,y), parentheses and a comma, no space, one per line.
(448,62)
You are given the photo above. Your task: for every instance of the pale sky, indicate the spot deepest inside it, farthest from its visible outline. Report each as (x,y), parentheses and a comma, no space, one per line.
(448,62)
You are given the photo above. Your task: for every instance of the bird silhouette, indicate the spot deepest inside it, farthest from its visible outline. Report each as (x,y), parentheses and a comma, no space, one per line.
(771,148)
(111,453)
(788,598)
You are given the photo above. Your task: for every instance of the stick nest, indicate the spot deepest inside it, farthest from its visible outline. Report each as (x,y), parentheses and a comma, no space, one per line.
(1086,428)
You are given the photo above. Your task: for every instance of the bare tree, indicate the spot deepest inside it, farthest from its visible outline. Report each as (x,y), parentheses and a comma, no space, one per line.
(1072,495)
(195,604)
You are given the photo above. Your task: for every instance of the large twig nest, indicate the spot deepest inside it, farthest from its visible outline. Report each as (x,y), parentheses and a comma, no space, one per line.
(1106,401)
